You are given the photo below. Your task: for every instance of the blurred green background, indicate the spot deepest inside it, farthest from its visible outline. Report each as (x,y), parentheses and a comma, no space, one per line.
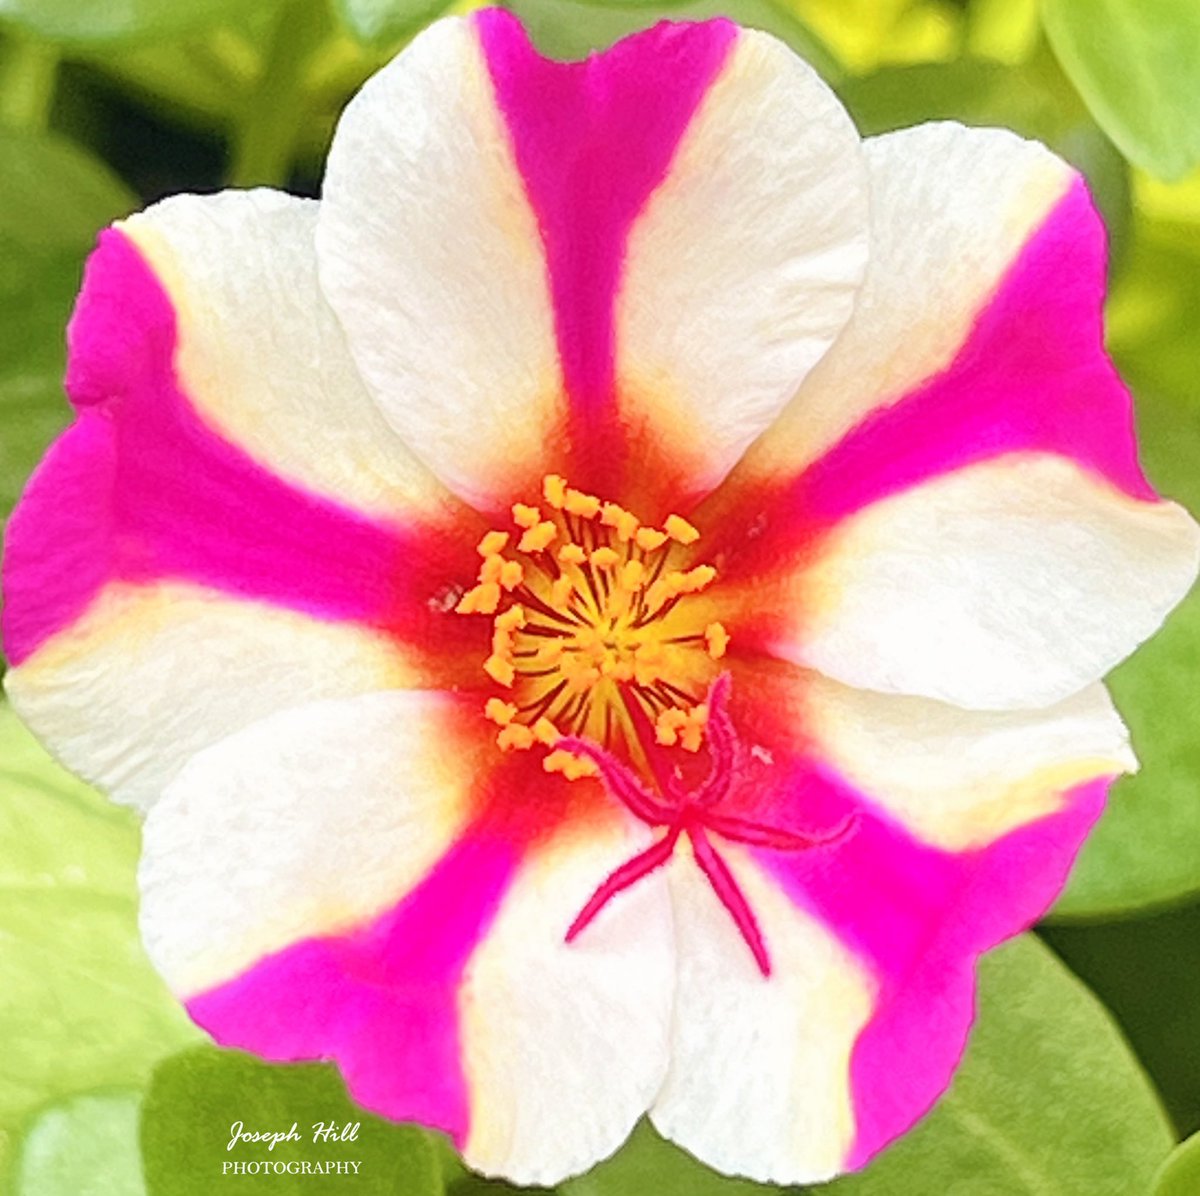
(105,105)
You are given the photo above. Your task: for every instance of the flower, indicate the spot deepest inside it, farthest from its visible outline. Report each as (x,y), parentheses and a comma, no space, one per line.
(605,612)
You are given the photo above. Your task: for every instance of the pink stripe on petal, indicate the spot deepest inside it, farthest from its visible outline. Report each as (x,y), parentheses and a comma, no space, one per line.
(920,917)
(902,1062)
(58,550)
(593,140)
(141,489)
(1032,376)
(380,1001)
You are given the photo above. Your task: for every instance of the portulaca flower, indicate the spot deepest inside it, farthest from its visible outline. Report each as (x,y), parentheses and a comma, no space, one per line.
(604,613)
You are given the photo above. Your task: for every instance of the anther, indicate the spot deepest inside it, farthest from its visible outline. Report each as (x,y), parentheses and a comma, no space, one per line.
(525,516)
(717,640)
(515,735)
(546,732)
(481,600)
(502,671)
(587,506)
(500,711)
(680,530)
(492,543)
(698,579)
(538,537)
(691,734)
(668,725)
(554,488)
(514,618)
(632,575)
(561,591)
(571,766)
(649,539)
(624,522)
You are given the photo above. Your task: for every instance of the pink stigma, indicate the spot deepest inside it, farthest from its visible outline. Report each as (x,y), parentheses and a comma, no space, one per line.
(695,815)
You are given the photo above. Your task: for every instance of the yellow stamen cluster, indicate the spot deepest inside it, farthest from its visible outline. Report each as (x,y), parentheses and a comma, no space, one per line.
(591,634)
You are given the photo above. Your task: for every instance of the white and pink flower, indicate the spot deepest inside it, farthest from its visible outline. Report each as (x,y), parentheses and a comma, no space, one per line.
(605,612)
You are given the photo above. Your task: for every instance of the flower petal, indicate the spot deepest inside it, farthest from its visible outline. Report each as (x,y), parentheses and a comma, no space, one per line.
(432,259)
(759,1082)
(566,1044)
(963,220)
(630,262)
(153,673)
(261,355)
(705,244)
(379,892)
(1011,583)
(960,779)
(913,460)
(873,938)
(745,264)
(145,500)
(307,822)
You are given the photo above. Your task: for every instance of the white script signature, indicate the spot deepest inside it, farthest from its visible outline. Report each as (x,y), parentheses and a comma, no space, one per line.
(322,1131)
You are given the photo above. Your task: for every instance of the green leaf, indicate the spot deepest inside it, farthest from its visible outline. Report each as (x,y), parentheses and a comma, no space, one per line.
(648,1163)
(28,80)
(571,29)
(54,195)
(83,22)
(197,1097)
(85,1146)
(80,1008)
(465,1183)
(1137,64)
(1180,1175)
(1048,1100)
(203,82)
(1152,313)
(1031,100)
(276,109)
(386,22)
(1144,970)
(53,199)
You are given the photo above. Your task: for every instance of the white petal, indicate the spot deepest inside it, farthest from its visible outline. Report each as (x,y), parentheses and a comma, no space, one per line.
(1011,583)
(759,1083)
(744,266)
(431,257)
(566,1044)
(307,822)
(951,208)
(960,779)
(260,354)
(152,674)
